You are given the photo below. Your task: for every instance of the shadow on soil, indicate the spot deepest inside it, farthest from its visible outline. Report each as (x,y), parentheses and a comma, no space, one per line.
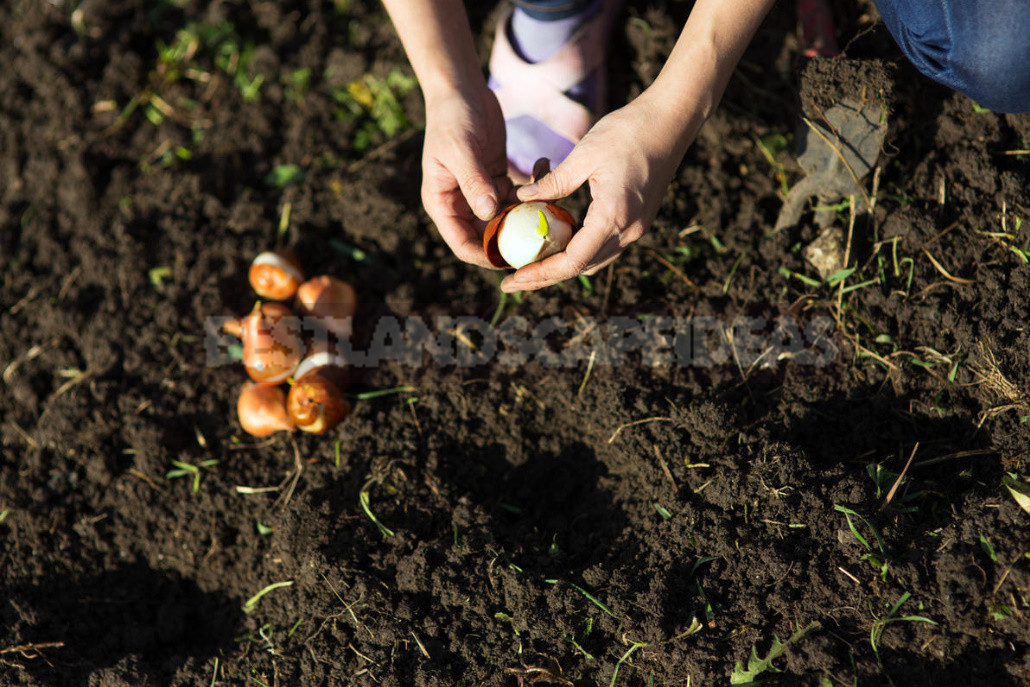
(132,611)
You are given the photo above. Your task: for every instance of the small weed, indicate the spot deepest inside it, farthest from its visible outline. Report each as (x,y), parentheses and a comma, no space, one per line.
(373,105)
(589,597)
(284,221)
(885,480)
(625,657)
(377,393)
(363,499)
(577,641)
(733,272)
(189,470)
(988,548)
(262,529)
(999,611)
(804,279)
(157,275)
(707,612)
(297,84)
(352,252)
(197,51)
(502,302)
(771,146)
(1019,489)
(282,176)
(879,624)
(251,603)
(877,557)
(756,665)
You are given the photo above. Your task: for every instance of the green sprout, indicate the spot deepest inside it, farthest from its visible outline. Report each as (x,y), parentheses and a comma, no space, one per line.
(756,665)
(364,500)
(879,624)
(251,603)
(187,469)
(876,556)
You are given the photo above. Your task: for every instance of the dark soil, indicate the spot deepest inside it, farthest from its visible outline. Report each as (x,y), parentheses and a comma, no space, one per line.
(537,537)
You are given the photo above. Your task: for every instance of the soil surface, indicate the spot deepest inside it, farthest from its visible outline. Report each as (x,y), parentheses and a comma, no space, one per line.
(647,522)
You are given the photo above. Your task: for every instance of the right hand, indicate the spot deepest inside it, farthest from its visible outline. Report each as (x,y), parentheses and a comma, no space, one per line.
(464,168)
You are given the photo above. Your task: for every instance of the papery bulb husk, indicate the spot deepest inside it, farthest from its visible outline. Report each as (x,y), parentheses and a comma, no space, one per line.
(276,274)
(330,303)
(494,228)
(272,347)
(316,404)
(262,410)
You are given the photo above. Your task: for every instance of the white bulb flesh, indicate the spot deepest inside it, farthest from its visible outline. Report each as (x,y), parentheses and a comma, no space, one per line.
(524,237)
(278,261)
(319,360)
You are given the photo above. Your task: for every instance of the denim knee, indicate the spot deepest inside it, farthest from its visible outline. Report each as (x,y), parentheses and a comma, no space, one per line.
(977,47)
(995,74)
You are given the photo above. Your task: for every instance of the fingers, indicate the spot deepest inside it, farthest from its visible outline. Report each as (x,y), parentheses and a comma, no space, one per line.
(477,185)
(456,224)
(560,181)
(593,247)
(463,240)
(541,168)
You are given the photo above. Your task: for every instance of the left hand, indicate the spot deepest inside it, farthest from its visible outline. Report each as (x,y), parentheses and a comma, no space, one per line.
(629,158)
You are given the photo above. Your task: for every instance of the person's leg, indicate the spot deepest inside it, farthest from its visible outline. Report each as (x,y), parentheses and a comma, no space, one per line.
(538,30)
(978,47)
(551,10)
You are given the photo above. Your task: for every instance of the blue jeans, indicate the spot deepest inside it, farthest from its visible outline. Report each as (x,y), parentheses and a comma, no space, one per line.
(978,47)
(552,9)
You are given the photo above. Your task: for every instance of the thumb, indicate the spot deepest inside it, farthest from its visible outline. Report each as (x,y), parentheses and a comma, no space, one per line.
(478,188)
(561,181)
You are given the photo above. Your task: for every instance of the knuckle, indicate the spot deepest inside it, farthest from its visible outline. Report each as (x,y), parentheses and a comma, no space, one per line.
(632,233)
(576,264)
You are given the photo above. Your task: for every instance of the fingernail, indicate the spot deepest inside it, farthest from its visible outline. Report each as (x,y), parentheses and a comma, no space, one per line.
(484,207)
(529,191)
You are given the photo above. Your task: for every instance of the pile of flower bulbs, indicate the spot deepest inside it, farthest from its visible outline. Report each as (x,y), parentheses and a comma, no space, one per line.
(295,347)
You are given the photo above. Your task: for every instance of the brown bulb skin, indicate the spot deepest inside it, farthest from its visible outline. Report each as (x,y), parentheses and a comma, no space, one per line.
(272,346)
(275,275)
(329,301)
(322,357)
(262,410)
(316,404)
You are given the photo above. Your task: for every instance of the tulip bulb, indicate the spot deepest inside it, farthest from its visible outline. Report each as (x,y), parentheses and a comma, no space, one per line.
(262,410)
(527,232)
(275,275)
(325,361)
(331,301)
(272,346)
(316,404)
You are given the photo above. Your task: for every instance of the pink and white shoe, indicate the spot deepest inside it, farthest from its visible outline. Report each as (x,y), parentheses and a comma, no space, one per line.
(542,119)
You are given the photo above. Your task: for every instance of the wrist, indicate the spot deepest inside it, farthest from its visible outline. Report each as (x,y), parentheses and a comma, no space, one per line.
(674,118)
(444,86)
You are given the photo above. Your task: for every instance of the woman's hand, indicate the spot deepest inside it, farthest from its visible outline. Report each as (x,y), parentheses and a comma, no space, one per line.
(629,158)
(464,168)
